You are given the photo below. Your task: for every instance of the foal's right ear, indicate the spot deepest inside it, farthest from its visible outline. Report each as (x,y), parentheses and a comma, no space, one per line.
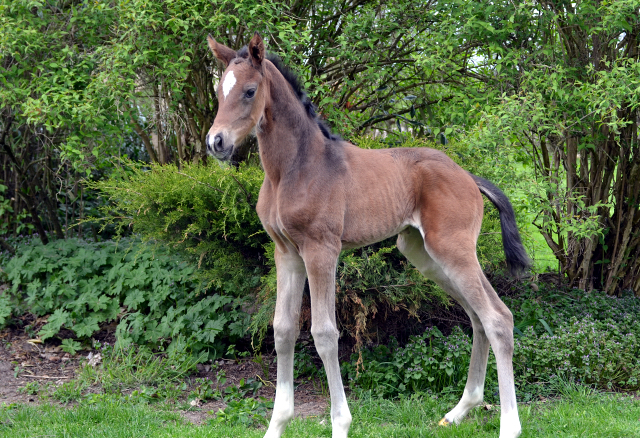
(256,50)
(220,51)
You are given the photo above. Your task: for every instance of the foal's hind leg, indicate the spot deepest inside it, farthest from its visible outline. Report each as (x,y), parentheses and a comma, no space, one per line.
(411,245)
(291,277)
(492,322)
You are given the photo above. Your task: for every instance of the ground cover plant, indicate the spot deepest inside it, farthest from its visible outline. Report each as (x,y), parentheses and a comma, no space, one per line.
(561,335)
(151,294)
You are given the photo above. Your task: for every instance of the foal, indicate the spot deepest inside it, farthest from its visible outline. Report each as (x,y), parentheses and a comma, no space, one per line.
(321,195)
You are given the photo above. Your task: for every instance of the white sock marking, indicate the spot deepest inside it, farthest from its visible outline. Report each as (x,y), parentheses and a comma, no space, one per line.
(229,82)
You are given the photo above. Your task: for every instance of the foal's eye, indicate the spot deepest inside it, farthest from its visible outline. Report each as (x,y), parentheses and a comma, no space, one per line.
(250,93)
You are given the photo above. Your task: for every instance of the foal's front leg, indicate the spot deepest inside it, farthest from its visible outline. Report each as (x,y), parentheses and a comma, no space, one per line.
(291,276)
(321,264)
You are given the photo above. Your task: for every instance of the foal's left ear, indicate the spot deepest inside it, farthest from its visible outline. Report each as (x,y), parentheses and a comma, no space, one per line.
(256,50)
(220,51)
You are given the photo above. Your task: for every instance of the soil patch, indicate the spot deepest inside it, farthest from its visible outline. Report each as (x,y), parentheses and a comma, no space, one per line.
(24,360)
(309,400)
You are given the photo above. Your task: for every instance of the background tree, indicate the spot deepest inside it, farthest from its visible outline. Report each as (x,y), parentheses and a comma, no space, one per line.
(55,127)
(561,83)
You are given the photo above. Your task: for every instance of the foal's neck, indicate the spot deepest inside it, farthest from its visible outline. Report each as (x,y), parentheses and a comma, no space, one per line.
(288,138)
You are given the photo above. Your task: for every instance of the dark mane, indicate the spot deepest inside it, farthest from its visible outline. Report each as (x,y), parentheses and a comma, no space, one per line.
(292,79)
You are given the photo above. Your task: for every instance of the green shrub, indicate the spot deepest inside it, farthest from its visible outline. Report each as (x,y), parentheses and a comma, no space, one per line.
(550,307)
(151,293)
(586,339)
(377,281)
(208,212)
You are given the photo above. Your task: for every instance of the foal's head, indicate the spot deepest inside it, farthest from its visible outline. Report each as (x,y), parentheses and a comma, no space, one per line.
(242,94)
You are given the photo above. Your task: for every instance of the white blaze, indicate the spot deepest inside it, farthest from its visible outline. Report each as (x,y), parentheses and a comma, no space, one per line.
(229,82)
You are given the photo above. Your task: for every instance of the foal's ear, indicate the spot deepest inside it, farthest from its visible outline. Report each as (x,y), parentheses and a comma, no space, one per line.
(256,50)
(220,51)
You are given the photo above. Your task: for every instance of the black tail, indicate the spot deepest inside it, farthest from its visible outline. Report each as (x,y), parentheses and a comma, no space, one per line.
(517,258)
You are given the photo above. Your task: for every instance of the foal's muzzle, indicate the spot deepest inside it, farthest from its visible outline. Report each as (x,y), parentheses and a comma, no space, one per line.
(218,147)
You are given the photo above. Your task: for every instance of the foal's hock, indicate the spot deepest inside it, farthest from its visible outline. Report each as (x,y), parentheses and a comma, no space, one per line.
(322,194)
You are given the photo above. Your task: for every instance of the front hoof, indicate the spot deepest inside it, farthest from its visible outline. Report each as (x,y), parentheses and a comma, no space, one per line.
(444,422)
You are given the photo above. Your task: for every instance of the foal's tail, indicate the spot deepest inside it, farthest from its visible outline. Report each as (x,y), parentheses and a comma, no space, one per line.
(517,258)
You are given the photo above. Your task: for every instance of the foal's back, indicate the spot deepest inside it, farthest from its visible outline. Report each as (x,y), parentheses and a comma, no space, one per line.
(386,190)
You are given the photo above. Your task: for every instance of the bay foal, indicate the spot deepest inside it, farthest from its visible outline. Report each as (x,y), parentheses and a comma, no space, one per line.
(321,195)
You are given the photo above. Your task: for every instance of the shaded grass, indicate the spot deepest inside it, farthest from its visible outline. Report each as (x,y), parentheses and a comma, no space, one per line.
(579,414)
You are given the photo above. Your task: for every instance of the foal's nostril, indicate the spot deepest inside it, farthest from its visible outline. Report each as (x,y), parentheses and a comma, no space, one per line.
(217,143)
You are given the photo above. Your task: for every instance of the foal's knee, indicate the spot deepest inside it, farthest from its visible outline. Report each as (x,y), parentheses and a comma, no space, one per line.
(325,339)
(285,334)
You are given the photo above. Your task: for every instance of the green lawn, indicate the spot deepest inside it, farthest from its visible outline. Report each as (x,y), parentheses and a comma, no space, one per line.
(577,416)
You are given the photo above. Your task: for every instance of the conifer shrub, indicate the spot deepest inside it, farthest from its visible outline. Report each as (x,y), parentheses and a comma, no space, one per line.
(206,212)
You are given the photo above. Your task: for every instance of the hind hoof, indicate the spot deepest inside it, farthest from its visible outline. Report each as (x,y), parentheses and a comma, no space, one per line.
(444,422)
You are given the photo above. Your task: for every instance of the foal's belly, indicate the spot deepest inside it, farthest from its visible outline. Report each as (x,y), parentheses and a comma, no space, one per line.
(350,244)
(372,229)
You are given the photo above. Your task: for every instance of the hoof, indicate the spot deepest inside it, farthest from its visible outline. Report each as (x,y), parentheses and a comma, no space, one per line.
(443,422)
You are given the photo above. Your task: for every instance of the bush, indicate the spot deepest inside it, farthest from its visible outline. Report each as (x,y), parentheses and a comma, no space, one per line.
(207,212)
(376,282)
(152,294)
(586,336)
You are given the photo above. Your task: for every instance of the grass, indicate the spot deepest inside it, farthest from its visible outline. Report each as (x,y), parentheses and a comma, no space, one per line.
(579,414)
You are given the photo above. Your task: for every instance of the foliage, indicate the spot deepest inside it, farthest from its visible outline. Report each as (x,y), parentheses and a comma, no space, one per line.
(151,293)
(429,363)
(241,405)
(56,124)
(245,411)
(304,365)
(559,82)
(71,346)
(205,389)
(31,388)
(586,339)
(206,211)
(69,392)
(378,280)
(585,350)
(5,309)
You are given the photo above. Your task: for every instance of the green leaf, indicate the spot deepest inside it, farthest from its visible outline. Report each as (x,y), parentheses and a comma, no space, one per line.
(59,318)
(71,346)
(134,298)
